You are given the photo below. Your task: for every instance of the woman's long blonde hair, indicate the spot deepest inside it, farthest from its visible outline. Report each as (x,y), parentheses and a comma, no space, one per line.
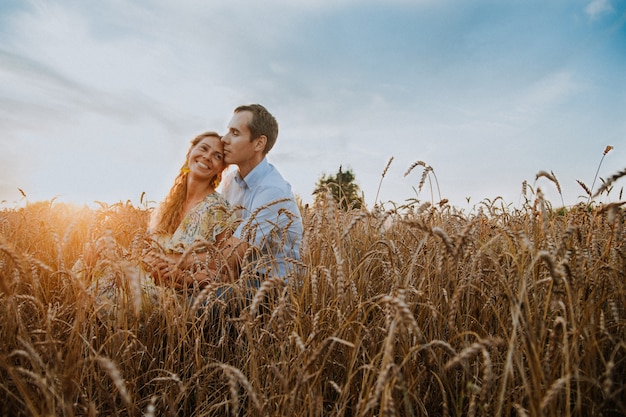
(170,212)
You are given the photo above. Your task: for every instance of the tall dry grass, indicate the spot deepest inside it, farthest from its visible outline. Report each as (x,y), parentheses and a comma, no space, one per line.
(412,311)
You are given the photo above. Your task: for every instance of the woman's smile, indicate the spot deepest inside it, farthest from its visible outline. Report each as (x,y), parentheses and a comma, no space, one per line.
(202,165)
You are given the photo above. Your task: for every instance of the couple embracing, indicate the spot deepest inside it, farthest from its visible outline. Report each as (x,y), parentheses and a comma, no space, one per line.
(200,236)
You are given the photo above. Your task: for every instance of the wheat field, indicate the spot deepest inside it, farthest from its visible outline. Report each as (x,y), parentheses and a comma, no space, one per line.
(406,310)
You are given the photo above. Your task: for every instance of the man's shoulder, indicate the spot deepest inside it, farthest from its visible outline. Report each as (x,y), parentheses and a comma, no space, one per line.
(273,177)
(272,186)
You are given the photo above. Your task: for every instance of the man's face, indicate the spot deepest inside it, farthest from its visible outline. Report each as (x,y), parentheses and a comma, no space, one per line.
(237,145)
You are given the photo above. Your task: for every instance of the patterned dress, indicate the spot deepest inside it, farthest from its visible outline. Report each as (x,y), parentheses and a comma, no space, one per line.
(203,223)
(122,286)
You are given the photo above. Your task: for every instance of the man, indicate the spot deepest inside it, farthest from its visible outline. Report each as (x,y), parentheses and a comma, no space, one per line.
(271,220)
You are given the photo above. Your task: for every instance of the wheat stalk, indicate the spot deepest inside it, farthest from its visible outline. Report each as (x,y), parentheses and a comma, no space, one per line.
(381,179)
(609,182)
(552,178)
(552,392)
(608,149)
(5,284)
(116,376)
(261,293)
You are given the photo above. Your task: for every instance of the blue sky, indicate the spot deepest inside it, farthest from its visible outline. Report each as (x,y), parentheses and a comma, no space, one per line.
(99,100)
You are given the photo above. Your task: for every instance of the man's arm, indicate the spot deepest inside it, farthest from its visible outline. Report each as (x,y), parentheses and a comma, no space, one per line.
(270,213)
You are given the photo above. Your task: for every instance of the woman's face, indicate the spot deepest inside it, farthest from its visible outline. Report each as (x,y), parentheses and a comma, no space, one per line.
(206,158)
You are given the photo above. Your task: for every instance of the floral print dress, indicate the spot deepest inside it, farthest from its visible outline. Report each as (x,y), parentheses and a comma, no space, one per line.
(203,223)
(126,282)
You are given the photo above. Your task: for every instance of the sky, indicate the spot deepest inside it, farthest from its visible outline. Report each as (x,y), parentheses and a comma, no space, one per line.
(99,100)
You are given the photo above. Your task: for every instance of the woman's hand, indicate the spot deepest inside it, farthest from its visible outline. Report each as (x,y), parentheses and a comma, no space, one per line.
(166,270)
(197,269)
(163,268)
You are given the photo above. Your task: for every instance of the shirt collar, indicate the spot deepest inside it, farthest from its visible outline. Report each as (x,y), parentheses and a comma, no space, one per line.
(254,176)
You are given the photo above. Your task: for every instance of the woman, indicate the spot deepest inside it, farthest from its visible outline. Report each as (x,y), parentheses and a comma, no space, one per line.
(190,234)
(192,220)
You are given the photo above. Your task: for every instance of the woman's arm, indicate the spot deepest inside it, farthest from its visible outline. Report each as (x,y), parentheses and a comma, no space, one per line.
(199,267)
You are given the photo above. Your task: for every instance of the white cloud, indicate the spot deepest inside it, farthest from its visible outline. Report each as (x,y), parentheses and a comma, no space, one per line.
(352,83)
(542,97)
(597,8)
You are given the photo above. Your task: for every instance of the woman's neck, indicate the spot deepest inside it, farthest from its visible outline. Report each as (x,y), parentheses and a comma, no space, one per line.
(197,192)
